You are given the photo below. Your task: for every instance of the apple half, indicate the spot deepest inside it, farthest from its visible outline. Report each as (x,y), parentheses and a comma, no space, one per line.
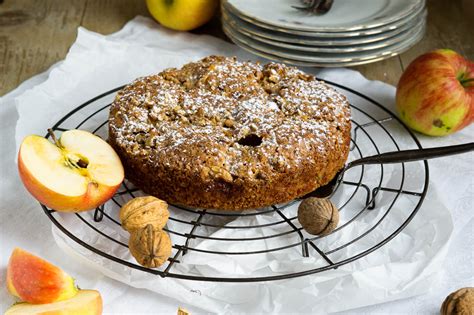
(85,302)
(78,172)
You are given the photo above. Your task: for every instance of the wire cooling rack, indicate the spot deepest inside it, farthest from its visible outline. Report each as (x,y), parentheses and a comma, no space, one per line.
(376,203)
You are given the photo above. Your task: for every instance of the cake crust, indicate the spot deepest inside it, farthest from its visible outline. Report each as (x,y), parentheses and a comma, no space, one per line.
(229,135)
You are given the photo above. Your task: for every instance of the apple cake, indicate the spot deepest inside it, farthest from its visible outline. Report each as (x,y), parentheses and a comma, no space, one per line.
(230,135)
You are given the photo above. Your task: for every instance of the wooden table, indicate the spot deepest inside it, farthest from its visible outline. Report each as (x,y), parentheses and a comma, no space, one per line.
(34,34)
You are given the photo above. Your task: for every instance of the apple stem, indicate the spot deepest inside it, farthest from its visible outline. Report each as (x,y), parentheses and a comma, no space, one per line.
(53,136)
(465,81)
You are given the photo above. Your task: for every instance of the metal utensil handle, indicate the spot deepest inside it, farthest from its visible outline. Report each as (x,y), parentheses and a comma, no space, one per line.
(413,155)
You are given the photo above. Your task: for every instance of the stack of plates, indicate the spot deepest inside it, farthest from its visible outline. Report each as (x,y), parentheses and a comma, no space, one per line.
(351,33)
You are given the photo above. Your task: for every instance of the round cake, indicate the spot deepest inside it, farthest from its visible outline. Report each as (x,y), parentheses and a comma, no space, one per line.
(229,135)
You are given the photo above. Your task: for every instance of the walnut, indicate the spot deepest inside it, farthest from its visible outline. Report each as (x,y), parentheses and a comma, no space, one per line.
(141,211)
(220,172)
(151,248)
(318,216)
(460,302)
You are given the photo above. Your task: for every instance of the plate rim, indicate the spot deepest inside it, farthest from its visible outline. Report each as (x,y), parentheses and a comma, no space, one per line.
(332,64)
(322,45)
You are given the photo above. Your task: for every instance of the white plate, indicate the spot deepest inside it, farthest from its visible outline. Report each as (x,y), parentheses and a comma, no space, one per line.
(407,34)
(324,57)
(320,56)
(328,60)
(282,40)
(322,33)
(344,15)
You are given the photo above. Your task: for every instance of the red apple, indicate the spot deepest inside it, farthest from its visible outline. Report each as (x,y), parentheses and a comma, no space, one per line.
(35,280)
(86,302)
(79,172)
(435,94)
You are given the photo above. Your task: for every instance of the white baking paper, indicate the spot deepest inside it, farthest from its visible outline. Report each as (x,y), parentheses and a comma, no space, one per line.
(404,267)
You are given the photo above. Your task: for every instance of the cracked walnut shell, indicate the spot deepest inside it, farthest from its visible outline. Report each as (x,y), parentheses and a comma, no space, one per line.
(142,211)
(151,248)
(318,216)
(460,302)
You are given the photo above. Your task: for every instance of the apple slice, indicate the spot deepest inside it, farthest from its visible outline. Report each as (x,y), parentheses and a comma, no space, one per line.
(35,280)
(79,172)
(86,302)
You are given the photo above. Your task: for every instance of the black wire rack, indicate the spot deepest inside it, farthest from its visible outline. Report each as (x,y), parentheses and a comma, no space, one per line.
(376,203)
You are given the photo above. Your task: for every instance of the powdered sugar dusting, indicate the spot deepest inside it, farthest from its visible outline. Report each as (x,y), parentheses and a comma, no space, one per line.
(230,119)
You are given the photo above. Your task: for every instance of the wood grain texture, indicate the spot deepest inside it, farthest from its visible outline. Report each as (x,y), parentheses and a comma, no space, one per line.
(34,34)
(448,27)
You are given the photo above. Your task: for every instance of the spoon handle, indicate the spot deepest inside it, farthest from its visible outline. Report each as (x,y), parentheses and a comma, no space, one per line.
(412,155)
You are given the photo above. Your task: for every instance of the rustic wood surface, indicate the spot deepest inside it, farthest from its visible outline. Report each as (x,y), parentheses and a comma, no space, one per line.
(34,34)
